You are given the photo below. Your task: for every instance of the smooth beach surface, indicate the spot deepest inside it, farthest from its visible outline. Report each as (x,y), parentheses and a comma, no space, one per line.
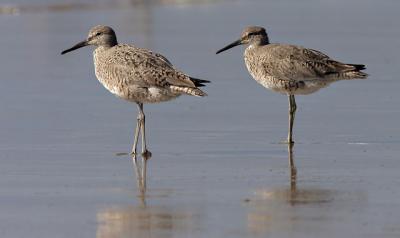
(218,169)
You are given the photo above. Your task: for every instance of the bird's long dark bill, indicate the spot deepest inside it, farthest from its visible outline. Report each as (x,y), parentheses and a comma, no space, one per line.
(75,47)
(233,44)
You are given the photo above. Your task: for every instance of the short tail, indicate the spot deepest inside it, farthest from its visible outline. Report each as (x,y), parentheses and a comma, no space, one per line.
(199,82)
(188,90)
(357,75)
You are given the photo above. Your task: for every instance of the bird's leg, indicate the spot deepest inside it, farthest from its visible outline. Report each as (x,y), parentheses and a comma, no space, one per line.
(145,153)
(292,112)
(137,131)
(134,155)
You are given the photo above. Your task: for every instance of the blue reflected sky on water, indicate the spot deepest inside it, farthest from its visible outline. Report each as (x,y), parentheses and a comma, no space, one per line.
(217,168)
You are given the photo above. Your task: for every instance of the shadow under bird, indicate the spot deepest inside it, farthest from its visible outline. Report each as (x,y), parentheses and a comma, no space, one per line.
(137,75)
(290,69)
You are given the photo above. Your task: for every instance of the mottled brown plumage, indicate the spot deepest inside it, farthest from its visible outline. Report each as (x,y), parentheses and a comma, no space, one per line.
(294,70)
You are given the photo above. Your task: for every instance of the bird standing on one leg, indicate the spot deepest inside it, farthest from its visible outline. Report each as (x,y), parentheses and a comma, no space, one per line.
(137,75)
(289,69)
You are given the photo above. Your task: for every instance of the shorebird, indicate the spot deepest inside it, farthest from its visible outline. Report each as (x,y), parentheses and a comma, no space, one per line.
(137,75)
(290,69)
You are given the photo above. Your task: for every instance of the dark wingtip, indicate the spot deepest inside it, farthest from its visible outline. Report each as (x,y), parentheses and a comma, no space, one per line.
(358,66)
(199,82)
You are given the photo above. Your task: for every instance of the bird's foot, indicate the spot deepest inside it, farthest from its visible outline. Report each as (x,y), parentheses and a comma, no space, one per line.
(287,142)
(146,154)
(133,154)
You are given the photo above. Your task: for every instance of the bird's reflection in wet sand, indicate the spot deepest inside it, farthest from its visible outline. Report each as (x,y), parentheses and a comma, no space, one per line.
(145,222)
(281,211)
(277,209)
(293,170)
(140,168)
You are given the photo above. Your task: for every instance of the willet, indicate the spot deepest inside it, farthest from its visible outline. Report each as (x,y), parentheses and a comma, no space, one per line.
(137,75)
(290,69)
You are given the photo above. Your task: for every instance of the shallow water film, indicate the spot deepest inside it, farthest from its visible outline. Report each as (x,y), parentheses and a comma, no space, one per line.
(218,168)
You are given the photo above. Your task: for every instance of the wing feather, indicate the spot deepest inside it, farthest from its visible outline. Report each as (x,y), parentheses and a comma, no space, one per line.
(143,67)
(295,63)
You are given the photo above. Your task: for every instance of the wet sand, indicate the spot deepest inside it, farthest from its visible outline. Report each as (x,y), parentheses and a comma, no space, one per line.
(217,169)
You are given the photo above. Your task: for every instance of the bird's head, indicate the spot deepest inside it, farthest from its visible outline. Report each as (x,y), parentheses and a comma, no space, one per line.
(250,35)
(98,36)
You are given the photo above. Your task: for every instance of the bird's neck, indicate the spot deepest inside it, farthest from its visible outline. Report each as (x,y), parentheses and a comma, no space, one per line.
(99,51)
(258,43)
(264,40)
(255,44)
(104,47)
(112,42)
(109,42)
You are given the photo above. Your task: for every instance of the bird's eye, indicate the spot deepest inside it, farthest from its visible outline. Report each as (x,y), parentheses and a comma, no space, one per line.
(98,33)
